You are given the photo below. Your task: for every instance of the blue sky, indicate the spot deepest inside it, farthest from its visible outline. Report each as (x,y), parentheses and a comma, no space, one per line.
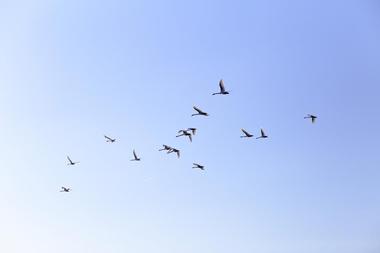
(71,71)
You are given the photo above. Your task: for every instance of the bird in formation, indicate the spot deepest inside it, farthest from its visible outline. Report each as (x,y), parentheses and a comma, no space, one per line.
(312,117)
(64,189)
(189,132)
(199,112)
(222,89)
(108,139)
(70,161)
(198,166)
(185,133)
(263,135)
(246,134)
(136,158)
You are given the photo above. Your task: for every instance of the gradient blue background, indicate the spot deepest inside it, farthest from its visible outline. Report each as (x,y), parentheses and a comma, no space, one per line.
(71,71)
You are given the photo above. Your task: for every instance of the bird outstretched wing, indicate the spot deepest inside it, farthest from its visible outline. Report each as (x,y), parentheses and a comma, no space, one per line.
(197,109)
(134,154)
(221,85)
(245,132)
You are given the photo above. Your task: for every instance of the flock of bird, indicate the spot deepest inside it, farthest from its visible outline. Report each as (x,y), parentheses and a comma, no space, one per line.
(190,132)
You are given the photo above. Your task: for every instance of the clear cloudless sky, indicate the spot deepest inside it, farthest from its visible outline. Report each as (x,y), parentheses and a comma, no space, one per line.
(72,71)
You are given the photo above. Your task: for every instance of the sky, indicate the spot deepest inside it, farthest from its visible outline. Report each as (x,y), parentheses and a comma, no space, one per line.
(72,71)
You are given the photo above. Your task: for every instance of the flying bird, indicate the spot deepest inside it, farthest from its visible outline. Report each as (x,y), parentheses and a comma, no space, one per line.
(185,133)
(135,156)
(200,112)
(198,166)
(64,189)
(192,129)
(174,150)
(70,161)
(165,147)
(263,135)
(246,134)
(222,89)
(108,139)
(312,117)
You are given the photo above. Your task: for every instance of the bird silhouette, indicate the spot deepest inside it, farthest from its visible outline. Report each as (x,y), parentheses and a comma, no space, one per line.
(312,117)
(200,112)
(198,166)
(263,135)
(222,89)
(135,156)
(192,129)
(70,161)
(64,189)
(108,139)
(246,134)
(165,147)
(185,133)
(174,150)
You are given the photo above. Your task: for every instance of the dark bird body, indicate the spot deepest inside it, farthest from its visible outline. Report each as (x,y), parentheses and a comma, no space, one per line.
(263,135)
(198,166)
(312,117)
(108,139)
(200,112)
(185,133)
(246,134)
(222,89)
(64,189)
(136,158)
(70,161)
